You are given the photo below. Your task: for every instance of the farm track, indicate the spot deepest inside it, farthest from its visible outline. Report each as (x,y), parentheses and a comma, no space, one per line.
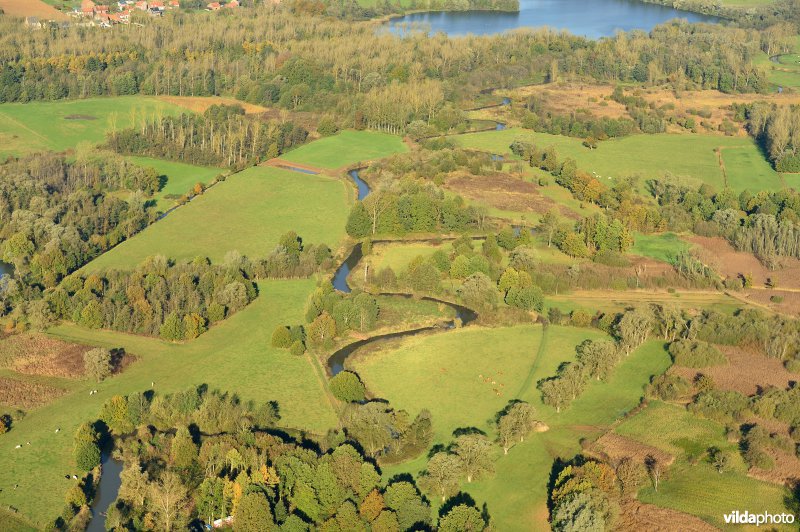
(536,361)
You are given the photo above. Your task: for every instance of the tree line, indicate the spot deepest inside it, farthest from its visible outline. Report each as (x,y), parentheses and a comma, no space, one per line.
(222,136)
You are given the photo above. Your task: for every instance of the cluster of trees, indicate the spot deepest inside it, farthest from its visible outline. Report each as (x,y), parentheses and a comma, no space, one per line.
(596,359)
(436,164)
(768,228)
(587,494)
(411,206)
(222,136)
(481,278)
(331,313)
(291,258)
(470,455)
(158,298)
(695,354)
(385,433)
(580,124)
(57,214)
(776,128)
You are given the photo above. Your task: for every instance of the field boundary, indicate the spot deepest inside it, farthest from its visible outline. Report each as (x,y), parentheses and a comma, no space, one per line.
(536,360)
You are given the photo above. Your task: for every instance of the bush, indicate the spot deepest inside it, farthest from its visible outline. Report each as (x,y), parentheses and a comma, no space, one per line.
(720,405)
(611,258)
(87,455)
(298,348)
(668,387)
(792,365)
(97,363)
(695,354)
(347,387)
(281,337)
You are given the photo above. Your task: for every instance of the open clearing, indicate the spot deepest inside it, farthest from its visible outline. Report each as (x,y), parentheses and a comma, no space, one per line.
(698,489)
(691,157)
(452,375)
(235,355)
(745,372)
(199,104)
(247,213)
(346,148)
(181,177)
(664,247)
(36,354)
(31,8)
(30,127)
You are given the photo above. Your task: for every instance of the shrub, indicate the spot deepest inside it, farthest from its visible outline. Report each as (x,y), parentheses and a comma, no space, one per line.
(580,318)
(668,387)
(298,348)
(97,363)
(792,365)
(347,387)
(695,354)
(720,405)
(281,337)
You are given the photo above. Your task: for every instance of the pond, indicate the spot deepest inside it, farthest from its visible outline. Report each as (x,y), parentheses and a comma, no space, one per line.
(6,268)
(589,18)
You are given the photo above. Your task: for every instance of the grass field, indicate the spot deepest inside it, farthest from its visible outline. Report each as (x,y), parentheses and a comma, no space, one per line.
(664,247)
(181,177)
(30,127)
(698,489)
(235,355)
(247,213)
(348,147)
(446,370)
(649,156)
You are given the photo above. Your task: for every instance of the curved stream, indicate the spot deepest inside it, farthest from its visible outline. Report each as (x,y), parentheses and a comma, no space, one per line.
(336,361)
(107,492)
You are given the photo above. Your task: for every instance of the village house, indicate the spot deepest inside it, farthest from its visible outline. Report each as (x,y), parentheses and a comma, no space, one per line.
(214,6)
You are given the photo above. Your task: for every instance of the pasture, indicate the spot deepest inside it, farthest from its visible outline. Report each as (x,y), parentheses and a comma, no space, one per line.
(180,178)
(698,489)
(664,247)
(247,213)
(346,148)
(235,355)
(61,125)
(453,375)
(691,157)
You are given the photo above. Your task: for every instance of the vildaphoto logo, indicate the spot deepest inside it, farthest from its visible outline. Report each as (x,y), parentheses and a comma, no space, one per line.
(747,518)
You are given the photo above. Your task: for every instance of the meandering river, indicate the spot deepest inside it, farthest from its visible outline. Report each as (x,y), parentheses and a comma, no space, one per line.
(589,18)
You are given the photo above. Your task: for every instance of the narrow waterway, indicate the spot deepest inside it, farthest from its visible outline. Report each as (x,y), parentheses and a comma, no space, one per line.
(107,492)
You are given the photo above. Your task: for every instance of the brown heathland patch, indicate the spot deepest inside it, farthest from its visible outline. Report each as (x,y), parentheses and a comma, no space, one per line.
(717,253)
(636,516)
(745,372)
(26,394)
(31,8)
(199,104)
(616,447)
(566,98)
(505,192)
(36,354)
(786,471)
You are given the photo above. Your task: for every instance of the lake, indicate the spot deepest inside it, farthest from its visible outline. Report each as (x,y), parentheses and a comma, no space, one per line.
(589,18)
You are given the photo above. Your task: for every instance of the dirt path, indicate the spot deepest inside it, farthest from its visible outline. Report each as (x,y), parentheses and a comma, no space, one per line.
(536,361)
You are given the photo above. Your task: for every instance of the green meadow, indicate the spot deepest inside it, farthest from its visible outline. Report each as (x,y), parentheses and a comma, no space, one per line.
(180,178)
(235,355)
(452,376)
(697,488)
(346,148)
(60,125)
(247,213)
(664,246)
(691,157)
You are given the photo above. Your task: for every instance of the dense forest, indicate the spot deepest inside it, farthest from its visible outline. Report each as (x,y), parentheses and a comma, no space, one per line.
(371,79)
(202,455)
(56,214)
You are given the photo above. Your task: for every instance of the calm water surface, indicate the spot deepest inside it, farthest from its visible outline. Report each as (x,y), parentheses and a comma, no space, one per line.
(590,18)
